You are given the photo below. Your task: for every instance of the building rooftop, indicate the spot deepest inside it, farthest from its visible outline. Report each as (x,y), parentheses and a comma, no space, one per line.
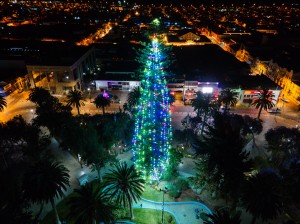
(249,82)
(42,53)
(206,62)
(11,68)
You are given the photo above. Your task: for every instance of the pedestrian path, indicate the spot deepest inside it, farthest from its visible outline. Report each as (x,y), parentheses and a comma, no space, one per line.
(187,212)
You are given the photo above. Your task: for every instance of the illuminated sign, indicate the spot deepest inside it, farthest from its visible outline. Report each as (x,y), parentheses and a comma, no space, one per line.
(207,89)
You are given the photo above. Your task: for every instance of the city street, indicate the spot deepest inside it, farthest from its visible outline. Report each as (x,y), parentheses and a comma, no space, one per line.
(18,104)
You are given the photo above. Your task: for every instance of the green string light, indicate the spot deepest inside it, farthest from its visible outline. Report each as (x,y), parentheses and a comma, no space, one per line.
(153,133)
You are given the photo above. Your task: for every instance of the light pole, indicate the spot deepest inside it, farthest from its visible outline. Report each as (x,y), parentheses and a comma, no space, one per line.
(32,113)
(89,93)
(163,204)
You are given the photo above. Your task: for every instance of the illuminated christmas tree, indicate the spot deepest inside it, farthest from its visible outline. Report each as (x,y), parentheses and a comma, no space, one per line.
(153,134)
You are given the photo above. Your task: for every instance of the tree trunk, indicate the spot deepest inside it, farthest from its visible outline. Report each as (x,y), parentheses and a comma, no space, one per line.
(259,112)
(55,211)
(203,123)
(131,210)
(198,113)
(36,218)
(99,175)
(103,110)
(78,110)
(94,221)
(225,109)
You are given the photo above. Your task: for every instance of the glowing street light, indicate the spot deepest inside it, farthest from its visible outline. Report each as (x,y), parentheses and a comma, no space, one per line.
(163,204)
(89,93)
(32,113)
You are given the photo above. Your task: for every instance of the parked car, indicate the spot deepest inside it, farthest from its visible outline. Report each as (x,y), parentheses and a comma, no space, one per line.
(284,100)
(223,108)
(274,110)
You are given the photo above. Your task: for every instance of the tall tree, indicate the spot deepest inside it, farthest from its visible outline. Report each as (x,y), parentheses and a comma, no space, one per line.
(284,145)
(44,181)
(89,205)
(75,98)
(203,104)
(2,103)
(261,195)
(222,163)
(153,131)
(228,97)
(95,154)
(50,112)
(39,96)
(32,142)
(102,101)
(223,217)
(73,136)
(264,100)
(133,97)
(124,184)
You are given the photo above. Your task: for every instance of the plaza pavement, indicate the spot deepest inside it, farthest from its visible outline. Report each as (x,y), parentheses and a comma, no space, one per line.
(185,169)
(19,105)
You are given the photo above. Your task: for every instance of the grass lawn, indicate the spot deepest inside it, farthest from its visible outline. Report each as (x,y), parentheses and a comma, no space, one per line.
(142,216)
(62,210)
(151,216)
(155,195)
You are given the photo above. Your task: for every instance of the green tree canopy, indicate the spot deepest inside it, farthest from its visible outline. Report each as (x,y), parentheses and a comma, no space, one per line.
(261,195)
(228,97)
(101,101)
(124,185)
(75,98)
(223,217)
(3,103)
(222,163)
(264,100)
(44,181)
(89,205)
(39,96)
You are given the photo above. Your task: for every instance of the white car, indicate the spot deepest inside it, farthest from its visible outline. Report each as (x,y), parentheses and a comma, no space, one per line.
(223,108)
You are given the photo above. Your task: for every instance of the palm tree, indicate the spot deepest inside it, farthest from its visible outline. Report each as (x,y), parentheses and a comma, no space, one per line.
(2,103)
(171,98)
(264,100)
(44,181)
(102,101)
(75,98)
(228,97)
(223,217)
(133,97)
(261,195)
(202,103)
(39,96)
(124,185)
(89,205)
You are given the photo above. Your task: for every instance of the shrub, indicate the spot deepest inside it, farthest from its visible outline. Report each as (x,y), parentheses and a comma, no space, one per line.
(182,184)
(170,174)
(174,193)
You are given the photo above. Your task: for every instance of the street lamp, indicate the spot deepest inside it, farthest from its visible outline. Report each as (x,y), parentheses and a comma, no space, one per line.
(163,204)
(89,93)
(32,113)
